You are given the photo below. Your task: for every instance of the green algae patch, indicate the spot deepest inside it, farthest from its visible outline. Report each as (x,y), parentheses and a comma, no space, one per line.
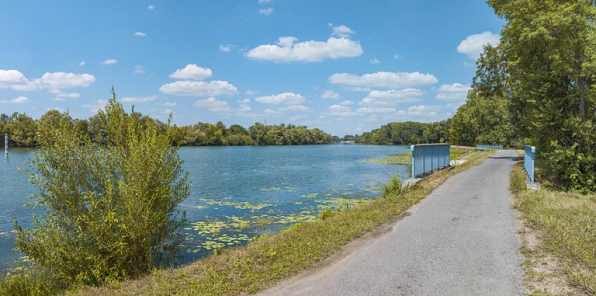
(404,158)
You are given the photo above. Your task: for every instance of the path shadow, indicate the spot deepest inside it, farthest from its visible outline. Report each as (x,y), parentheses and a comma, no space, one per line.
(515,158)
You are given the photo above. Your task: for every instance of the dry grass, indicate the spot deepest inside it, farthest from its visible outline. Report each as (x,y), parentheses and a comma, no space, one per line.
(267,260)
(559,232)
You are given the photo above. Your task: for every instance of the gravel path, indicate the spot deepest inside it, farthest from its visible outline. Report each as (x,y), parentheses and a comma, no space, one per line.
(460,240)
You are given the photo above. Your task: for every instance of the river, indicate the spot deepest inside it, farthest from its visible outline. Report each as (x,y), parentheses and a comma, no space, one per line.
(237,193)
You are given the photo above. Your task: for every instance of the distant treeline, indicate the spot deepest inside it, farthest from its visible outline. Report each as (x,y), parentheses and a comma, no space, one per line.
(23,131)
(405,133)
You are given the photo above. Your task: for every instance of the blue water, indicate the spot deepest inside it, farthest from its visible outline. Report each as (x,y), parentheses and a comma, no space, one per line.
(237,193)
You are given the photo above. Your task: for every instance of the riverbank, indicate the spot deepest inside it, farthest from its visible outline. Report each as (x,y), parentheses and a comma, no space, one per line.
(558,231)
(269,259)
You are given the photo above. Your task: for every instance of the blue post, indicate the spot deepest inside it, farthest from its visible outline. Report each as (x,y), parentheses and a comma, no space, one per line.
(529,158)
(413,162)
(6,144)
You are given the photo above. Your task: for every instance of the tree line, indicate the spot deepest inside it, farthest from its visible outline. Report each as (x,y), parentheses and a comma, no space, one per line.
(24,131)
(538,87)
(405,133)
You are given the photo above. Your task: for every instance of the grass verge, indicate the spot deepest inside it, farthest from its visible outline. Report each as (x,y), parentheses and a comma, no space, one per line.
(563,226)
(406,157)
(269,259)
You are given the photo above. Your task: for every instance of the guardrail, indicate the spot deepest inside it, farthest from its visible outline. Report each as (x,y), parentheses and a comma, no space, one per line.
(529,156)
(485,147)
(426,158)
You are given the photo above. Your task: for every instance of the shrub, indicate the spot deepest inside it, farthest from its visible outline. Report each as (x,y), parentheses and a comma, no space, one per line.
(393,188)
(112,208)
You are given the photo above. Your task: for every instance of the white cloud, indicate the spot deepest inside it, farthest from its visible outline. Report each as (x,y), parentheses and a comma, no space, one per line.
(341,111)
(58,99)
(342,32)
(266,11)
(62,80)
(329,94)
(397,56)
(151,7)
(225,48)
(271,112)
(192,71)
(392,97)
(244,108)
(286,98)
(473,45)
(109,62)
(139,70)
(19,100)
(356,88)
(286,50)
(347,103)
(170,104)
(96,106)
(60,94)
(453,92)
(14,79)
(55,81)
(251,92)
(423,110)
(375,61)
(376,110)
(298,108)
(140,34)
(82,63)
(213,105)
(139,99)
(384,79)
(264,1)
(199,88)
(244,101)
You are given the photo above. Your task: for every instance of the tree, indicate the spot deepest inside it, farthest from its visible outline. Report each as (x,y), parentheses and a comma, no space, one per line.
(111,206)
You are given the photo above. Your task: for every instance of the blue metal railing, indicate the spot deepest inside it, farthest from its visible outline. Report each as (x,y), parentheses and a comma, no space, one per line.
(426,158)
(529,156)
(485,147)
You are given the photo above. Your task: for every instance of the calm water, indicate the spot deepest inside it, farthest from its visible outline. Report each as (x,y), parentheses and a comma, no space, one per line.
(237,192)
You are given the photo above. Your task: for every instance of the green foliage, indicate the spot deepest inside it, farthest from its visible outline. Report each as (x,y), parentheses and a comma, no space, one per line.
(405,133)
(393,188)
(111,208)
(26,280)
(326,213)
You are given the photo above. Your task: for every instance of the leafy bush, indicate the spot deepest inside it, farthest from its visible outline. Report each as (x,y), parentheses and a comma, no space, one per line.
(111,209)
(393,188)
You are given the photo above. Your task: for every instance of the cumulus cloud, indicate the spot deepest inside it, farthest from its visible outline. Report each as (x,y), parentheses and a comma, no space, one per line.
(271,112)
(286,98)
(213,105)
(151,7)
(15,80)
(473,45)
(287,50)
(298,108)
(376,110)
(384,79)
(250,92)
(109,62)
(60,94)
(225,48)
(139,99)
(453,92)
(341,111)
(423,110)
(347,103)
(19,100)
(82,63)
(170,104)
(140,34)
(63,80)
(266,11)
(342,32)
(199,88)
(375,61)
(392,97)
(244,108)
(264,1)
(139,70)
(243,101)
(192,71)
(329,94)
(356,88)
(96,106)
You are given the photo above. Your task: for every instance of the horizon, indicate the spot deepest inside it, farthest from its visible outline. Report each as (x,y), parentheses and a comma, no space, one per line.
(345,68)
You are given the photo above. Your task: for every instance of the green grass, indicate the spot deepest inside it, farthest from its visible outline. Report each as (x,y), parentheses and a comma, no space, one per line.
(566,224)
(269,259)
(405,158)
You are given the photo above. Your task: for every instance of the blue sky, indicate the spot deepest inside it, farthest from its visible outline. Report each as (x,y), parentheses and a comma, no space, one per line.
(343,66)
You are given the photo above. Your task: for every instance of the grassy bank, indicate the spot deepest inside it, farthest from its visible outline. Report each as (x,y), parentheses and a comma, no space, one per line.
(267,260)
(405,158)
(564,227)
